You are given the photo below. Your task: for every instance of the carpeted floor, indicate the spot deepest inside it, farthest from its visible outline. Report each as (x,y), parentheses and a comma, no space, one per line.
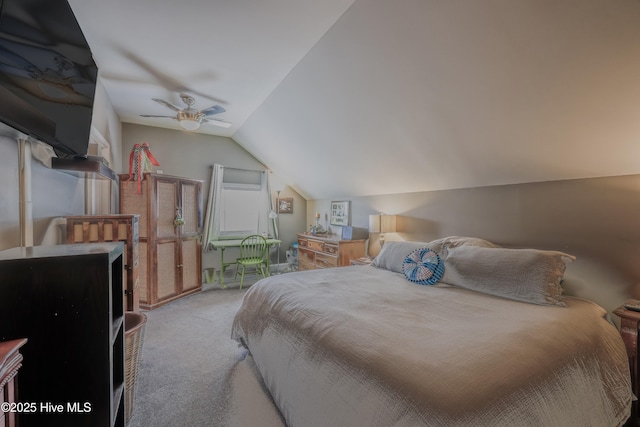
(193,374)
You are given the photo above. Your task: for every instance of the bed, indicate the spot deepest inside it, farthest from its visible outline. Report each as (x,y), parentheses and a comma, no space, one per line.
(491,343)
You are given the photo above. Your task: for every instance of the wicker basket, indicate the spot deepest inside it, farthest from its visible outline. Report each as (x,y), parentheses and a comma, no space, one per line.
(134,324)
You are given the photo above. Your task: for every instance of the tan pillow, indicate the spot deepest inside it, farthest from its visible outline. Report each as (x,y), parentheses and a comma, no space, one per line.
(527,275)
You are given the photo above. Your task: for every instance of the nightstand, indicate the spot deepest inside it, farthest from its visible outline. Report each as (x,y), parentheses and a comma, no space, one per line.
(362,261)
(629,322)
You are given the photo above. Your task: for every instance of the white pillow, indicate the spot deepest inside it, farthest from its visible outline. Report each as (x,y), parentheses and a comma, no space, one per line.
(527,275)
(392,254)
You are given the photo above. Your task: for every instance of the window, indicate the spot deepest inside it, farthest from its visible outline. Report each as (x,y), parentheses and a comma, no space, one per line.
(238,213)
(239,204)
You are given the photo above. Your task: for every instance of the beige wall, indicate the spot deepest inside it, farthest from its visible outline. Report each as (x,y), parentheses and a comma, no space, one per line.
(190,155)
(107,123)
(54,193)
(597,220)
(291,224)
(9,194)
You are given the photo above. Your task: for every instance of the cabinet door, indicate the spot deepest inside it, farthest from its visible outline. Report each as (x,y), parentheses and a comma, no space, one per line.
(166,259)
(190,265)
(143,274)
(190,204)
(167,270)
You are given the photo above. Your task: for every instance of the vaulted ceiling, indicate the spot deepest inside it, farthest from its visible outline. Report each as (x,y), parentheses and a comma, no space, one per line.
(346,98)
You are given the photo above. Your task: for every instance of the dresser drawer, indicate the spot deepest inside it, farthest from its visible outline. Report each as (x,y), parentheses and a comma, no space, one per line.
(331,248)
(326,261)
(305,255)
(305,265)
(315,245)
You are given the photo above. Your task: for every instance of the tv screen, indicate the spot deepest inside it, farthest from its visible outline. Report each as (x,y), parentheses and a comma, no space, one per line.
(47,74)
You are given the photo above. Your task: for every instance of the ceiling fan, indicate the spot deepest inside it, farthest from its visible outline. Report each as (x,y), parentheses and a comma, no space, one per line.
(190,118)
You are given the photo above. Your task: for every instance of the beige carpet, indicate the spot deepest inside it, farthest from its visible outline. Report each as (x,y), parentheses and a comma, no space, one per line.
(193,374)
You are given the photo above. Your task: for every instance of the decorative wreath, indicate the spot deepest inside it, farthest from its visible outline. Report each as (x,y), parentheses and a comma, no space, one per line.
(140,161)
(423,266)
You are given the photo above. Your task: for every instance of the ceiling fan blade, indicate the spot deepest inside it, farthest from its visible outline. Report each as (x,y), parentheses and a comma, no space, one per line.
(217,122)
(216,109)
(167,104)
(153,115)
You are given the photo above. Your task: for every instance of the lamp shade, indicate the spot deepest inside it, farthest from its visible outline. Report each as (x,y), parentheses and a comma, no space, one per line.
(382,223)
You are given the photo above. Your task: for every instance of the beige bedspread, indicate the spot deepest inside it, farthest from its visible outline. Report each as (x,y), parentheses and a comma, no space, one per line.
(362,346)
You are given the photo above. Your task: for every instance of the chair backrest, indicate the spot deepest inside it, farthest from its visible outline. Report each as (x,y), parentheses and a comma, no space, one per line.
(253,248)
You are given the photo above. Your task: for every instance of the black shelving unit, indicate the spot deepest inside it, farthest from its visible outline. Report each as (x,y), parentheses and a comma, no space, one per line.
(67,301)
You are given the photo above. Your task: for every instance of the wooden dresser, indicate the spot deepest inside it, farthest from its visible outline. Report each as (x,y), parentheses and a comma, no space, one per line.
(326,252)
(170,210)
(112,228)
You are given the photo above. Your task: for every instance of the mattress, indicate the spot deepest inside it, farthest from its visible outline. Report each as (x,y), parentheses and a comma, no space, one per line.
(362,346)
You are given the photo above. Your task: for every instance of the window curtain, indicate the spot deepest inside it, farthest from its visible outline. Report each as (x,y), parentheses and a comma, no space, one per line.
(239,205)
(215,188)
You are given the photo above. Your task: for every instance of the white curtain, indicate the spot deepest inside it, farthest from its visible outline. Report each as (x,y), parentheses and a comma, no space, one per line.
(215,187)
(238,204)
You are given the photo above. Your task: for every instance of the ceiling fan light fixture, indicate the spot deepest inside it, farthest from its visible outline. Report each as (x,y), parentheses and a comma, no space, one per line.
(189,124)
(189,119)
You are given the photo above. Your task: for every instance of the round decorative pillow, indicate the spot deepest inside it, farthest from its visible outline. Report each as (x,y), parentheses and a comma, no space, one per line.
(423,266)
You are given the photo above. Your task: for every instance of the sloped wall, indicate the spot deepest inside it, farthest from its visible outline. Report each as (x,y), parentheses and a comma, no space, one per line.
(595,219)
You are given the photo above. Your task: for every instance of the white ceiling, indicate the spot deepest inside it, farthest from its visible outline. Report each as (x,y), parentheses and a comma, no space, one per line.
(381,97)
(228,52)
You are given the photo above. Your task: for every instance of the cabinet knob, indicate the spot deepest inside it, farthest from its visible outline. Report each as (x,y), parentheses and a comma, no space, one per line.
(179,265)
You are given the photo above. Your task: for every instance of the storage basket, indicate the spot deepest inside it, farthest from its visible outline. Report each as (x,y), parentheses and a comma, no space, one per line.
(134,324)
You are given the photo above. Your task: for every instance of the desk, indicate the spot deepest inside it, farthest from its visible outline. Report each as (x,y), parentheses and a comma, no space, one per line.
(224,244)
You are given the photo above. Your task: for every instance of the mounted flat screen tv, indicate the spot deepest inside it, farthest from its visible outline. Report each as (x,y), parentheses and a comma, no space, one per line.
(47,74)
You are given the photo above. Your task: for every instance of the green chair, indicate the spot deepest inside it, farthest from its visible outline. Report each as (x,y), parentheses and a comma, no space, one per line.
(253,250)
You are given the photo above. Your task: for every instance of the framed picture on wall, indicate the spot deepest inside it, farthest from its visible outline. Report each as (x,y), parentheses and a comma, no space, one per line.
(285,205)
(341,213)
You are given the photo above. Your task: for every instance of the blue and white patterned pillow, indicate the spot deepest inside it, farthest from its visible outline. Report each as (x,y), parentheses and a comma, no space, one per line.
(423,266)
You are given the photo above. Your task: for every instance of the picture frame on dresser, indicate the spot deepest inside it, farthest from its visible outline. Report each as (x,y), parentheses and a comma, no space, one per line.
(340,213)
(347,232)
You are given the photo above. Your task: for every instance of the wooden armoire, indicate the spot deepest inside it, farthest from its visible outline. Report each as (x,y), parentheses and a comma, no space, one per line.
(170,258)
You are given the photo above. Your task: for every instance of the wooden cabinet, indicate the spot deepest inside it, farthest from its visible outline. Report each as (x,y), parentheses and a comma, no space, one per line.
(326,252)
(66,301)
(10,363)
(170,209)
(112,228)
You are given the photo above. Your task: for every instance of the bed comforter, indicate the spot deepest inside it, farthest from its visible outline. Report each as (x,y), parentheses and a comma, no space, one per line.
(362,346)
